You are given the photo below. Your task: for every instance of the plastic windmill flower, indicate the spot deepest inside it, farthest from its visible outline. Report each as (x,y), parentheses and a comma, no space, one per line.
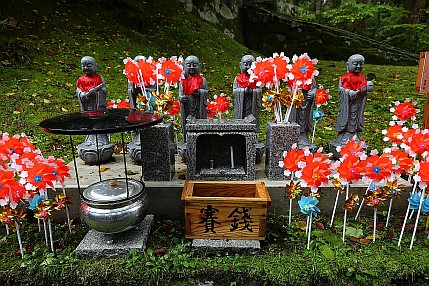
(119,103)
(308,207)
(351,203)
(147,71)
(352,148)
(262,72)
(292,159)
(222,104)
(131,71)
(322,96)
(404,111)
(395,133)
(170,70)
(316,171)
(211,109)
(302,71)
(280,62)
(378,168)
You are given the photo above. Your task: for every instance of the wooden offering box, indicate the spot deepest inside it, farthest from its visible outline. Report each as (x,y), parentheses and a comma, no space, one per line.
(225,210)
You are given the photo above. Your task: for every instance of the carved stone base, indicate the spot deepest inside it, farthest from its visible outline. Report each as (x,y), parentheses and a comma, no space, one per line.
(91,154)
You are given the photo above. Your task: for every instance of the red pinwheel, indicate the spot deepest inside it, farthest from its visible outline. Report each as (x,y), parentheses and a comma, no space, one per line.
(350,168)
(322,96)
(419,143)
(403,161)
(211,109)
(147,71)
(8,186)
(291,160)
(262,72)
(41,176)
(424,172)
(315,173)
(378,168)
(170,70)
(175,109)
(352,148)
(404,111)
(280,63)
(131,71)
(394,133)
(303,70)
(59,169)
(222,103)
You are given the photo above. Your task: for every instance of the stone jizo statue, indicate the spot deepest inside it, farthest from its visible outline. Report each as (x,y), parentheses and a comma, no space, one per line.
(247,96)
(91,93)
(353,89)
(193,91)
(91,88)
(303,115)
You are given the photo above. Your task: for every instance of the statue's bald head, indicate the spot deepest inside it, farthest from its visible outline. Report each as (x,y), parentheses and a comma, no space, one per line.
(191,66)
(89,65)
(246,62)
(355,63)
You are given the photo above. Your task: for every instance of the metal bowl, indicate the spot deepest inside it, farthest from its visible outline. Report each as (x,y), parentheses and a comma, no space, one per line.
(110,207)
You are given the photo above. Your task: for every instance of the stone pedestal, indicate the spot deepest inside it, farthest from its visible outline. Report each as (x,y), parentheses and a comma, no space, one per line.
(92,154)
(222,150)
(280,137)
(158,152)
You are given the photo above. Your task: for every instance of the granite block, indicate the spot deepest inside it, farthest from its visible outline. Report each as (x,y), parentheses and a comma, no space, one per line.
(98,244)
(280,138)
(157,159)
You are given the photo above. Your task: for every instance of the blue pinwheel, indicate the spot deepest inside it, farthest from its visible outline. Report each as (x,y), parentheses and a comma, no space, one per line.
(308,205)
(414,201)
(34,201)
(318,115)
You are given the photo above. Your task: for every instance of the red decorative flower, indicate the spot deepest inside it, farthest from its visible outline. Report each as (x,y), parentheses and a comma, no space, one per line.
(131,71)
(424,172)
(147,71)
(378,168)
(352,148)
(395,134)
(262,72)
(9,186)
(316,172)
(175,109)
(405,110)
(419,143)
(41,176)
(351,168)
(222,103)
(211,109)
(280,62)
(291,159)
(404,162)
(303,70)
(322,97)
(170,70)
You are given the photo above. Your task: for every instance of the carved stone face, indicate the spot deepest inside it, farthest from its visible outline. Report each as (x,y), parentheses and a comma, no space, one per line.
(246,62)
(192,66)
(89,66)
(355,64)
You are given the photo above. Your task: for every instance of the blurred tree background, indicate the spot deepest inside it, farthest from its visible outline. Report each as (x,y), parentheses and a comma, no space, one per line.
(403,24)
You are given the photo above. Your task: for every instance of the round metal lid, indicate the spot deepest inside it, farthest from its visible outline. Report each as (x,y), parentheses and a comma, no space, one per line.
(112,190)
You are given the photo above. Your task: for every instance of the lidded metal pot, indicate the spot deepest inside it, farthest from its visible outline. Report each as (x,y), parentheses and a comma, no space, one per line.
(114,206)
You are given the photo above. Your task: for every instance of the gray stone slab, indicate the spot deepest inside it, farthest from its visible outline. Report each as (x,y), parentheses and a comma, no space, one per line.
(98,244)
(280,138)
(231,245)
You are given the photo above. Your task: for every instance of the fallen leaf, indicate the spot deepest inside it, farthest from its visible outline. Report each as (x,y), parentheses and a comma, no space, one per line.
(301,224)
(328,128)
(320,225)
(160,251)
(46,101)
(104,168)
(63,109)
(364,240)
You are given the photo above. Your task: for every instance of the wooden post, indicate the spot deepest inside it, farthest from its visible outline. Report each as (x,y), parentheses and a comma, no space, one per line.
(422,84)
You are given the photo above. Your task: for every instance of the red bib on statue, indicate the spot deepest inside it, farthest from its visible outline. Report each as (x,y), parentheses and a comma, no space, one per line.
(353,81)
(243,81)
(192,83)
(85,83)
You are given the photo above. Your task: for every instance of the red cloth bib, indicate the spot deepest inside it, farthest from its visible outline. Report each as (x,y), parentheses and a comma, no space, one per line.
(243,81)
(192,83)
(353,81)
(85,83)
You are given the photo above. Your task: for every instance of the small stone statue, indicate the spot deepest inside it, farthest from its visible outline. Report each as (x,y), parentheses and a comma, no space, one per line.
(247,96)
(353,89)
(303,116)
(91,92)
(193,91)
(91,88)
